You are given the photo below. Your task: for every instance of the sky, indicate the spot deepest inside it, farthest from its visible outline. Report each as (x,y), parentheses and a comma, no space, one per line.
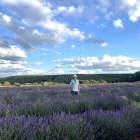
(53,37)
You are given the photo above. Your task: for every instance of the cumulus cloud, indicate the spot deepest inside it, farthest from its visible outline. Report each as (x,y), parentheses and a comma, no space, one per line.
(18,62)
(123,4)
(107,63)
(104,4)
(109,15)
(134,13)
(58,66)
(24,44)
(82,72)
(58,32)
(66,11)
(55,71)
(36,64)
(33,37)
(12,62)
(8,68)
(44,18)
(41,72)
(132,7)
(118,23)
(70,66)
(3,43)
(13,53)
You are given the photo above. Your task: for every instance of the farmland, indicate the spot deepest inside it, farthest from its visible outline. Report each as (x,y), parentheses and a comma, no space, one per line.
(105,111)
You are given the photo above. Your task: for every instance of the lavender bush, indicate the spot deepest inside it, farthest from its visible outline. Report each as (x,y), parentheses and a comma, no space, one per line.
(51,112)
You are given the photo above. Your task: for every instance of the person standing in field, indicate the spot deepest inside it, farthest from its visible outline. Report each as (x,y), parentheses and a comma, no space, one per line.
(75,87)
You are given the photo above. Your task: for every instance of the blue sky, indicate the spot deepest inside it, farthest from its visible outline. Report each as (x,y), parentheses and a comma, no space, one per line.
(40,37)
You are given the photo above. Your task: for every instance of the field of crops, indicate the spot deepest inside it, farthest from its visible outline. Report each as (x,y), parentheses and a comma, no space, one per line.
(100,112)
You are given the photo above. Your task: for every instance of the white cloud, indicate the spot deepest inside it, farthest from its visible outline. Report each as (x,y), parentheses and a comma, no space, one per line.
(123,4)
(104,44)
(82,72)
(118,23)
(109,15)
(3,43)
(104,5)
(130,2)
(58,32)
(132,7)
(72,46)
(6,18)
(55,71)
(134,13)
(58,66)
(70,66)
(44,18)
(31,71)
(90,35)
(8,68)
(29,38)
(95,41)
(37,63)
(13,53)
(76,12)
(106,64)
(58,53)
(103,25)
(12,62)
(18,62)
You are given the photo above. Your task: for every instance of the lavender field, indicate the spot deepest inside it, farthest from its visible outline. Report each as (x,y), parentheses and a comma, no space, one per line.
(100,112)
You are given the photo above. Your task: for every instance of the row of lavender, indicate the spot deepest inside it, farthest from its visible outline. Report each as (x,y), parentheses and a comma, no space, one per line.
(51,112)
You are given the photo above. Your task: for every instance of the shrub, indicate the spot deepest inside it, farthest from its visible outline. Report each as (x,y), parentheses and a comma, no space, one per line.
(28,84)
(136,81)
(0,84)
(99,81)
(61,84)
(102,81)
(17,84)
(6,83)
(84,82)
(50,83)
(35,83)
(93,82)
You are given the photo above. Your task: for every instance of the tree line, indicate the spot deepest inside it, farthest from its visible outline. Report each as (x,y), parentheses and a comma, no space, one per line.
(131,78)
(66,78)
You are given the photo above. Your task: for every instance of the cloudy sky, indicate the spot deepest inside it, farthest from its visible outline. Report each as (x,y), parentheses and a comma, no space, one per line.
(50,37)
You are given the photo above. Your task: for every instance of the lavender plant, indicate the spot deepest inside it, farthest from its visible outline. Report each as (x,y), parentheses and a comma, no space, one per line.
(108,111)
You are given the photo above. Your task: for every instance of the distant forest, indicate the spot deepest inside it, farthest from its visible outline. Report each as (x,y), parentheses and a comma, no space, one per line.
(66,78)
